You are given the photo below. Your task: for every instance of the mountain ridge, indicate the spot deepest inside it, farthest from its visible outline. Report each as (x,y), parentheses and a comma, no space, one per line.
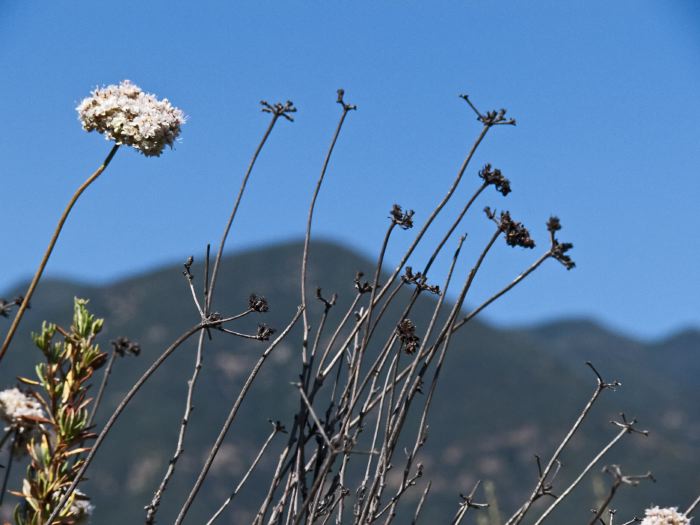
(549,325)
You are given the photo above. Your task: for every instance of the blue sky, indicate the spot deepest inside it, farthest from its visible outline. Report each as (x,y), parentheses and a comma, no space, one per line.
(605,93)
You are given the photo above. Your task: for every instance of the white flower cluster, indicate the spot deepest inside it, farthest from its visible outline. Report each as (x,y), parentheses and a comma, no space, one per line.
(81,509)
(127,115)
(14,405)
(664,516)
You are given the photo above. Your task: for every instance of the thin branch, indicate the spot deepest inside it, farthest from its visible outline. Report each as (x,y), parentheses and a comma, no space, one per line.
(231,416)
(693,506)
(103,386)
(278,110)
(277,427)
(152,508)
(600,386)
(619,479)
(187,272)
(312,412)
(466,504)
(585,471)
(421,502)
(8,467)
(503,291)
(307,237)
(424,229)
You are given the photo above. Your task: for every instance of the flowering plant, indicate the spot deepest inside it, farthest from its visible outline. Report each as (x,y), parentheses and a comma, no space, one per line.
(62,411)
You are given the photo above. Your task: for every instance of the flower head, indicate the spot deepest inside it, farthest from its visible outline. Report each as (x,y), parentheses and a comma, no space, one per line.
(81,509)
(16,405)
(128,116)
(20,410)
(664,516)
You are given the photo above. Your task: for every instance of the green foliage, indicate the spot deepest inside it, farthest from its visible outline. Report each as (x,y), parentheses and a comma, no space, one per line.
(63,381)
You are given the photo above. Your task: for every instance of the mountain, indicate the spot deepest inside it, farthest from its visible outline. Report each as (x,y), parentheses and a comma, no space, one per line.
(505,395)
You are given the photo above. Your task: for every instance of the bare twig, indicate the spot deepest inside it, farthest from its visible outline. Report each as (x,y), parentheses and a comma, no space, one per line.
(277,111)
(152,508)
(600,386)
(693,506)
(307,237)
(231,416)
(277,427)
(103,386)
(619,479)
(466,504)
(421,502)
(625,428)
(8,466)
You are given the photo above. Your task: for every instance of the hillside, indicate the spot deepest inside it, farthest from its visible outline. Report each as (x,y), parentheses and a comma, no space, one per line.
(505,396)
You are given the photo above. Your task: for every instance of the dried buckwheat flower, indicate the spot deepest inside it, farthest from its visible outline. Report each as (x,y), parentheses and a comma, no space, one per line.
(258,303)
(406,331)
(495,178)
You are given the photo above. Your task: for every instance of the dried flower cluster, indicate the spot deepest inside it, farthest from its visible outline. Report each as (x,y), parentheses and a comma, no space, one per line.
(420,280)
(664,516)
(559,249)
(516,233)
(6,306)
(264,332)
(360,285)
(124,346)
(258,304)
(127,115)
(403,219)
(495,178)
(406,330)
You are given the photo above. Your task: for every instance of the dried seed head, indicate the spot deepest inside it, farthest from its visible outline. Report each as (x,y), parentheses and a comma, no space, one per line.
(495,178)
(258,304)
(403,219)
(553,224)
(123,346)
(406,331)
(264,332)
(516,234)
(559,249)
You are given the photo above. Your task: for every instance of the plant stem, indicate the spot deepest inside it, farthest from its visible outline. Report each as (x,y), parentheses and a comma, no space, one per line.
(219,253)
(37,276)
(8,467)
(307,237)
(585,471)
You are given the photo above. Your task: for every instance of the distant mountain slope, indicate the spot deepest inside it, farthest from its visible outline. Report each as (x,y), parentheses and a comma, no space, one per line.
(506,394)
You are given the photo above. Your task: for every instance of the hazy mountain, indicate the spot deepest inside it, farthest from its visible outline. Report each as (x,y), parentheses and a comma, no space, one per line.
(505,395)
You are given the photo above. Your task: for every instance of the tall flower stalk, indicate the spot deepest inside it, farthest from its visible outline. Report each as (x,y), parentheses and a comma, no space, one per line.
(52,243)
